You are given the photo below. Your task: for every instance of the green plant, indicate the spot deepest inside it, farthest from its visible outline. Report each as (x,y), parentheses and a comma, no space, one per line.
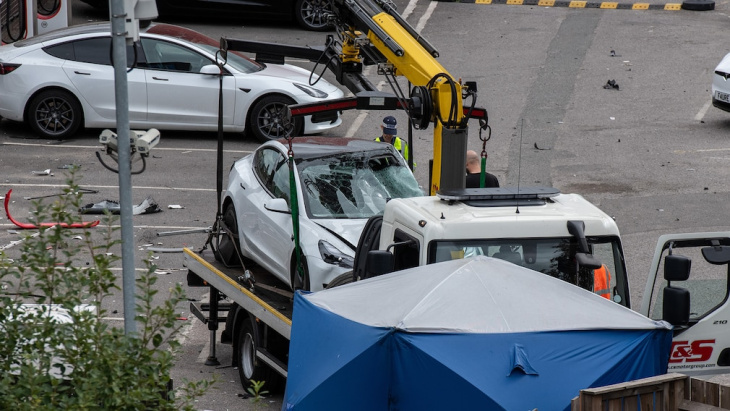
(257,392)
(57,351)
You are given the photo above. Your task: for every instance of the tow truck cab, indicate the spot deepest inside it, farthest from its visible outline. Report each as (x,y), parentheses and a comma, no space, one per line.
(688,287)
(561,235)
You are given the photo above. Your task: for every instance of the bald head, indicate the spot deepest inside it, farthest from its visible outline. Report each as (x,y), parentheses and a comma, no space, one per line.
(473,164)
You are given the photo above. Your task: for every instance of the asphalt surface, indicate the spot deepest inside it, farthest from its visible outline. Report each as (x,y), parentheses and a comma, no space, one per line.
(652,153)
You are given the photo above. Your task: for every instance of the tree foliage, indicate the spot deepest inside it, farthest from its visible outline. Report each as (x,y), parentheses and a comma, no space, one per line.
(57,350)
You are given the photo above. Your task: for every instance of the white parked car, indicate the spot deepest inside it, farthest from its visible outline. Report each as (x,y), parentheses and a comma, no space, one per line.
(340,184)
(721,84)
(60,81)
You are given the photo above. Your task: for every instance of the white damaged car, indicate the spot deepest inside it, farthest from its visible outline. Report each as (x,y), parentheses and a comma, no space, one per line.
(340,183)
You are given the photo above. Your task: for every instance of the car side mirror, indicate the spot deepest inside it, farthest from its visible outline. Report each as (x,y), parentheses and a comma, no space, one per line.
(210,69)
(277,205)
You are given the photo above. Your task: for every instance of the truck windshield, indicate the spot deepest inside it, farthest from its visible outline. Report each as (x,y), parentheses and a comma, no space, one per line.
(552,256)
(354,185)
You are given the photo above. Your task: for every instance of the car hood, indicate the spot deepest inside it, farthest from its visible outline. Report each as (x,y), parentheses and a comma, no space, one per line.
(724,65)
(296,75)
(349,229)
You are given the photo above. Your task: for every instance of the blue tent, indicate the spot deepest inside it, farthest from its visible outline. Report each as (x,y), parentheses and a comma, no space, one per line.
(476,333)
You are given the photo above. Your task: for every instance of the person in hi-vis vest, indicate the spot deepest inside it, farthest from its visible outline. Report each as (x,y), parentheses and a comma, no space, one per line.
(602,282)
(389,136)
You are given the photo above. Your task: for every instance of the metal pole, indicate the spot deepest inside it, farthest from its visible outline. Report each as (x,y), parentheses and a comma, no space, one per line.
(119,53)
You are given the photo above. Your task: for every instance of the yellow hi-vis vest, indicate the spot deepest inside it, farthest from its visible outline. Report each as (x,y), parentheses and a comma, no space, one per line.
(399,145)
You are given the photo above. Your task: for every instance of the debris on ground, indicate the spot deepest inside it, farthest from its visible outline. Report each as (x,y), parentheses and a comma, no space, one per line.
(46,172)
(175,206)
(611,84)
(148,206)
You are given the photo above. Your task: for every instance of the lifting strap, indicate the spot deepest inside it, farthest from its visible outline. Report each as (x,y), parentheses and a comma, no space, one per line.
(299,271)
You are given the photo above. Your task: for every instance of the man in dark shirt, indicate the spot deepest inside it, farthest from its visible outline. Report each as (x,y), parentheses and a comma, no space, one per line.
(473,172)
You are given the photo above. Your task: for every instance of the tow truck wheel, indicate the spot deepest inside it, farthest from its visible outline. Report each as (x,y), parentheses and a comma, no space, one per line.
(341,279)
(269,120)
(249,367)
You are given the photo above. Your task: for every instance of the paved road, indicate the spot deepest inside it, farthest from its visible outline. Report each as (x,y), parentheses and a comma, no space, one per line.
(653,153)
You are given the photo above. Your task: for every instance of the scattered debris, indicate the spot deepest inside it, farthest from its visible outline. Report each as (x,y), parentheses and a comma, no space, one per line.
(46,172)
(613,54)
(612,118)
(175,206)
(101,207)
(540,148)
(68,166)
(164,250)
(611,84)
(39,225)
(162,272)
(148,206)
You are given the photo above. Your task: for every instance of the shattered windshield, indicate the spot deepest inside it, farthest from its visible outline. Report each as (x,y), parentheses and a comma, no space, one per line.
(354,185)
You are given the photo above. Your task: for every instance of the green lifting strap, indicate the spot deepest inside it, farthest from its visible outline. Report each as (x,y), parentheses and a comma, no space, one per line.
(483,173)
(299,280)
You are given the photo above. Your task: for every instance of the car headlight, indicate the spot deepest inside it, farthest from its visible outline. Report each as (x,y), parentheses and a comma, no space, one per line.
(331,255)
(311,90)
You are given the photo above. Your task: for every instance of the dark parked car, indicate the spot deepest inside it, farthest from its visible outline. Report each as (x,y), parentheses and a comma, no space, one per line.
(310,14)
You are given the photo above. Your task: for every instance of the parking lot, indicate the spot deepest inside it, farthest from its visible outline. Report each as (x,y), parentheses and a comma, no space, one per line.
(653,153)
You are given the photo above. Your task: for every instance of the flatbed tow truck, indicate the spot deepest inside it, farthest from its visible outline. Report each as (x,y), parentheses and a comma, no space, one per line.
(259,308)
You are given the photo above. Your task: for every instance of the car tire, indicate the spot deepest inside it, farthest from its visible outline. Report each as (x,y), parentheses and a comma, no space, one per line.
(341,279)
(267,119)
(228,248)
(249,367)
(296,282)
(54,114)
(312,14)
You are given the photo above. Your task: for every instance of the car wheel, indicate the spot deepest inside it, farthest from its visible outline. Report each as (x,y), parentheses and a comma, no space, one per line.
(268,119)
(228,247)
(54,114)
(341,279)
(300,282)
(312,14)
(249,367)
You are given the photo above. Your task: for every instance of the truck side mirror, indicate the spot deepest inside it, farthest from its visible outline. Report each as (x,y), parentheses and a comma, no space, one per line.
(588,261)
(677,267)
(676,305)
(379,263)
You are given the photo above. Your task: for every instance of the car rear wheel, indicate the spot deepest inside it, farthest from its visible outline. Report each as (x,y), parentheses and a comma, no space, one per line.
(312,14)
(54,114)
(268,119)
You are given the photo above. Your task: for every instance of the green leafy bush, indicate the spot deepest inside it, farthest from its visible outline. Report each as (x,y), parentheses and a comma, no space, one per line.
(62,353)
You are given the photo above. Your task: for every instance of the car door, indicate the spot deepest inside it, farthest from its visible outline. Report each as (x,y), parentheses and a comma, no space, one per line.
(268,233)
(89,67)
(177,93)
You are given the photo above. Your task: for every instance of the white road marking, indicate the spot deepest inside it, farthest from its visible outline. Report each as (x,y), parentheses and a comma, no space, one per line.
(114,187)
(97,147)
(701,114)
(422,21)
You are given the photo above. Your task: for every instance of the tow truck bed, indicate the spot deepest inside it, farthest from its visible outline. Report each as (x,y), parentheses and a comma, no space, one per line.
(267,300)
